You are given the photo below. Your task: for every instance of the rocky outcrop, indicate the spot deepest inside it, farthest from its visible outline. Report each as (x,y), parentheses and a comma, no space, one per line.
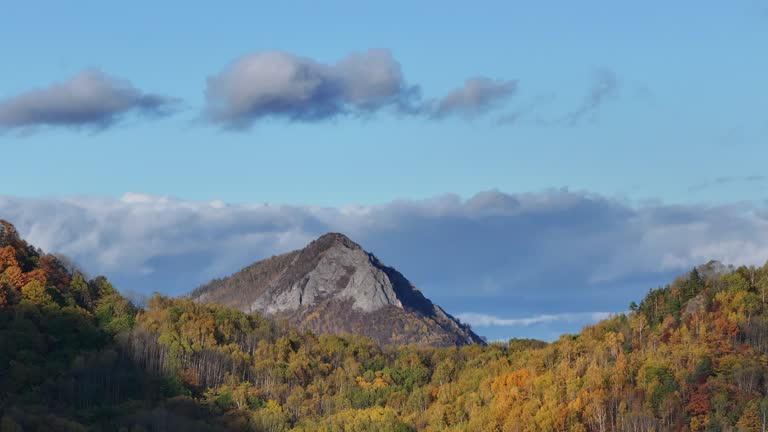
(344,271)
(334,286)
(8,234)
(714,268)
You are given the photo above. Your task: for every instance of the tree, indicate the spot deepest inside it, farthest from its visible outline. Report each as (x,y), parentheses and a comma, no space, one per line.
(750,419)
(762,286)
(693,285)
(34,292)
(79,289)
(115,313)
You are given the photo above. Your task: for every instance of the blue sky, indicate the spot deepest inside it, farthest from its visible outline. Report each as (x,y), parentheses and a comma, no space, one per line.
(651,104)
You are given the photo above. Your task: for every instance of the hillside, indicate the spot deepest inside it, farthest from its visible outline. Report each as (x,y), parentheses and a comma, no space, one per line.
(333,286)
(75,356)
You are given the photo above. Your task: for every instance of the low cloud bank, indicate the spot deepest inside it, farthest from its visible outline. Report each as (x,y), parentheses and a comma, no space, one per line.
(551,257)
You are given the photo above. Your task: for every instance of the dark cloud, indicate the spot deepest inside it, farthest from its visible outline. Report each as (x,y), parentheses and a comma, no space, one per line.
(89,99)
(477,96)
(281,85)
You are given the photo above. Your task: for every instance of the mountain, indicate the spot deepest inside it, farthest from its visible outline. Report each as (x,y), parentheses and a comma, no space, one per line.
(333,286)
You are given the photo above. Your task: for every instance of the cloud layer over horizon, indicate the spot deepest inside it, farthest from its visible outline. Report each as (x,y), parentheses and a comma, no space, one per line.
(91,99)
(543,253)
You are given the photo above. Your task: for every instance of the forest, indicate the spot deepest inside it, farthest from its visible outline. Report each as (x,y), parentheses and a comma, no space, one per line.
(76,355)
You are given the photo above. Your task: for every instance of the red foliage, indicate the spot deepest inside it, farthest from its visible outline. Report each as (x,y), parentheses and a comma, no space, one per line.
(699,403)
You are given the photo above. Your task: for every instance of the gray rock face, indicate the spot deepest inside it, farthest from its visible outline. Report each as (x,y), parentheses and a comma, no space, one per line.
(343,272)
(334,286)
(695,305)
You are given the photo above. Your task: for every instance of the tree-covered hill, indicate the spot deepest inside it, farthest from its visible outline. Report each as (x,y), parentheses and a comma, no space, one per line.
(76,355)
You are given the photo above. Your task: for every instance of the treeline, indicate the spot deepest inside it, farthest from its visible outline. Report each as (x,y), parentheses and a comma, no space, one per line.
(75,355)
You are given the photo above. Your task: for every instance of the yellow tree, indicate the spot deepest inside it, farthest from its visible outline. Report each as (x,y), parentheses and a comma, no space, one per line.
(35,292)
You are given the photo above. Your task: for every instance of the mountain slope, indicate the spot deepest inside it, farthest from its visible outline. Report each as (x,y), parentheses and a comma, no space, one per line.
(333,286)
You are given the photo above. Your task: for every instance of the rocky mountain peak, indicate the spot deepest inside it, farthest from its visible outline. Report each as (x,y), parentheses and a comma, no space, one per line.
(332,239)
(331,266)
(336,283)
